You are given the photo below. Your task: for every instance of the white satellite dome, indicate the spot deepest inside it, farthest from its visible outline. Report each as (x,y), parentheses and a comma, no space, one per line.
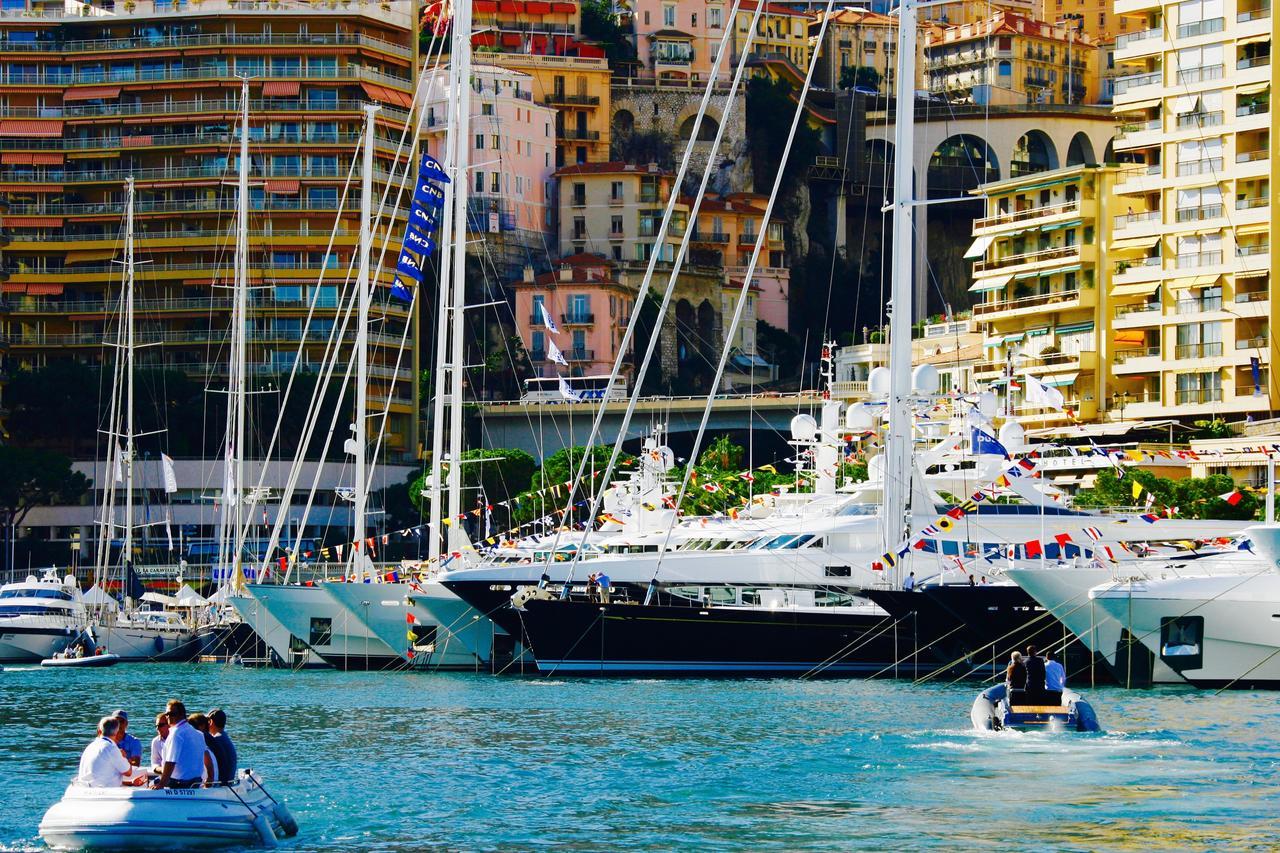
(924,379)
(987,403)
(878,382)
(1012,436)
(804,428)
(858,419)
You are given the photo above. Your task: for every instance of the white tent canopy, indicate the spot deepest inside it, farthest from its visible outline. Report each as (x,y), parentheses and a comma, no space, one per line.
(188,597)
(97,596)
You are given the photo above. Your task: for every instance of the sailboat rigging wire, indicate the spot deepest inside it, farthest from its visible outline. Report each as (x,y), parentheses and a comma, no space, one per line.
(659,250)
(743,291)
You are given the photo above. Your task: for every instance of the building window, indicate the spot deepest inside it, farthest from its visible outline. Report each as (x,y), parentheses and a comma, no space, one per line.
(615,226)
(668,15)
(486,109)
(615,191)
(713,18)
(479,141)
(579,228)
(479,182)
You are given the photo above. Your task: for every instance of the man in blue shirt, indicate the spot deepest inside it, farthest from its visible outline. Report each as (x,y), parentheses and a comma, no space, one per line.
(220,745)
(1055,678)
(129,745)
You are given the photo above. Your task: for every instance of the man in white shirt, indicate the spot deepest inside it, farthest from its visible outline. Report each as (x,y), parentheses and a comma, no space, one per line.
(103,765)
(157,742)
(183,753)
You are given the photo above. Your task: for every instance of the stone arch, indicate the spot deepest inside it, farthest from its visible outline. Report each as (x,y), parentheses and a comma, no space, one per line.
(624,121)
(707,330)
(1109,153)
(879,151)
(706,131)
(686,328)
(1033,152)
(960,163)
(1080,151)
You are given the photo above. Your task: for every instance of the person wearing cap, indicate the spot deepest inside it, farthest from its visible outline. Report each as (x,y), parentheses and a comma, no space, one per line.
(129,745)
(221,746)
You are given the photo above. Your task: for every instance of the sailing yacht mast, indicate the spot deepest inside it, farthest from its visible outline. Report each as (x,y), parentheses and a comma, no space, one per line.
(129,341)
(898,464)
(359,509)
(233,479)
(460,83)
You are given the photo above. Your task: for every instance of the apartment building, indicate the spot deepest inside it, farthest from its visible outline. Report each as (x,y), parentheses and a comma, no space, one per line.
(676,40)
(782,32)
(1195,196)
(724,237)
(1039,256)
(857,38)
(512,194)
(94,94)
(1011,59)
(570,74)
(615,210)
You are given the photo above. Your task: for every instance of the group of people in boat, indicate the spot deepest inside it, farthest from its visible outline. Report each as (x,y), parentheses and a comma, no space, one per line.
(1034,680)
(188,751)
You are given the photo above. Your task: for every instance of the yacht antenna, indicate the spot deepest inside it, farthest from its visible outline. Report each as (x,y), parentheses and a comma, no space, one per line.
(898,465)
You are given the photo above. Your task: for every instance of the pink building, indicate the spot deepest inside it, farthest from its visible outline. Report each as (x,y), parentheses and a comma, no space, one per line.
(588,304)
(513,153)
(676,40)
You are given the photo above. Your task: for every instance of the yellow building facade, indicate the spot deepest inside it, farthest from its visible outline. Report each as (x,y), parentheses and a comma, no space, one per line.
(1195,222)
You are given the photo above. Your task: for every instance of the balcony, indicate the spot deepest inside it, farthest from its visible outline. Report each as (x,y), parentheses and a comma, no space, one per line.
(1199,214)
(1136,179)
(1251,296)
(1252,62)
(1126,39)
(1129,82)
(1200,28)
(1122,356)
(1200,75)
(154,41)
(1254,251)
(580,355)
(1027,214)
(1196,260)
(1059,299)
(1135,221)
(561,99)
(710,237)
(1254,109)
(578,319)
(1128,130)
(1041,256)
(1252,157)
(1132,312)
(577,135)
(1191,120)
(1191,396)
(1259,342)
(1203,350)
(1198,306)
(1256,14)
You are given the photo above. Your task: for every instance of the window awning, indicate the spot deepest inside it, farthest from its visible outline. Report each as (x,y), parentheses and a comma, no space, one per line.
(31,128)
(1253,89)
(1257,228)
(16,158)
(1184,104)
(1144,288)
(1253,39)
(281,89)
(1014,338)
(1074,328)
(43,159)
(1058,225)
(1253,274)
(387,96)
(1192,281)
(1135,243)
(282,187)
(1059,380)
(1023,276)
(84,256)
(1139,105)
(979,247)
(44,289)
(984,285)
(33,221)
(1035,333)
(92,93)
(1131,336)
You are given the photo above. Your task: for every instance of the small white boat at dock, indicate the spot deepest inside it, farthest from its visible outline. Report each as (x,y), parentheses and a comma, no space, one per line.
(241,814)
(63,660)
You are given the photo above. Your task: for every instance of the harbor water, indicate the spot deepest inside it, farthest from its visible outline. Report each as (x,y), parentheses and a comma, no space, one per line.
(406,762)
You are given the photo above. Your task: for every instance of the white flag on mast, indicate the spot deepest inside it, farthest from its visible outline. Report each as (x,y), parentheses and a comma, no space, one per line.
(546,319)
(554,354)
(566,391)
(1039,394)
(170,477)
(119,472)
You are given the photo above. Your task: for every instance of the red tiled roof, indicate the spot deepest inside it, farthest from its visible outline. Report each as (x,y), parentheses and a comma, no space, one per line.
(774,9)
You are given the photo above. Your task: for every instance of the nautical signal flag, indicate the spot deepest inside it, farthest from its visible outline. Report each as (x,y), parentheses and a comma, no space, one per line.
(710,487)
(410,266)
(428,194)
(1137,490)
(432,170)
(426,218)
(1232,498)
(1033,548)
(416,241)
(1093,533)
(399,291)
(1062,539)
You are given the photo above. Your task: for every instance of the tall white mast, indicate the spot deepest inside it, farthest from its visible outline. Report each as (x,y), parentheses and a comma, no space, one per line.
(460,80)
(233,480)
(129,341)
(897,469)
(362,343)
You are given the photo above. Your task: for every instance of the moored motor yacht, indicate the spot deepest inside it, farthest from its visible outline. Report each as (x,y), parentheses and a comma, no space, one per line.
(39,617)
(384,609)
(239,814)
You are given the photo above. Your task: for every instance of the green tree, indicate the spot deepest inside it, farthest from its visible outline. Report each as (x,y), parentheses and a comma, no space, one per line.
(601,25)
(497,474)
(560,468)
(770,106)
(1195,497)
(31,477)
(860,76)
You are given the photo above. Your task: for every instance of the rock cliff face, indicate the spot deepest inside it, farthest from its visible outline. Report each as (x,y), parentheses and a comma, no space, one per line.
(795,208)
(671,111)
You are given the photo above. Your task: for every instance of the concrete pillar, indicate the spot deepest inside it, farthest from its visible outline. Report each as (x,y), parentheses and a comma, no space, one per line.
(920,269)
(840,238)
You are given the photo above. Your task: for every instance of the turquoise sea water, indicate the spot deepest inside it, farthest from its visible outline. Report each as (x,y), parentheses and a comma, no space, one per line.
(406,762)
